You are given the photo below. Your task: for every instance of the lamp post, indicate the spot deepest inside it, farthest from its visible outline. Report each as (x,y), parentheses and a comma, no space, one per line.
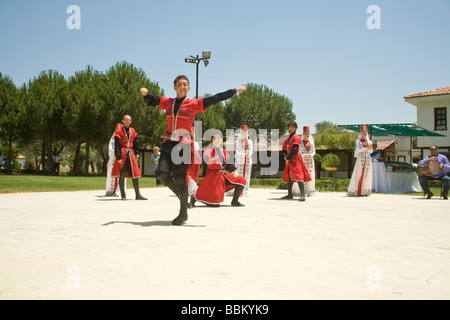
(205,56)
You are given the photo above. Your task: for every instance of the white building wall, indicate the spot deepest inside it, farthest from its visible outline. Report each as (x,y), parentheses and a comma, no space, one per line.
(425,119)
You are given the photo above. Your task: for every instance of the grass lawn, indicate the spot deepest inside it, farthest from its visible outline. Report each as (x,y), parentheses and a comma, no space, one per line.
(39,183)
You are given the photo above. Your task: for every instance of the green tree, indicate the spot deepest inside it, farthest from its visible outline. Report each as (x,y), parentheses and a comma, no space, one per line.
(10,118)
(260,108)
(46,104)
(120,95)
(101,100)
(324,125)
(332,137)
(87,123)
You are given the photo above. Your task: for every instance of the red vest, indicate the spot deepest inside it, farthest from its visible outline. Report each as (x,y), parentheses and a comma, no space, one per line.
(122,135)
(125,142)
(296,169)
(182,123)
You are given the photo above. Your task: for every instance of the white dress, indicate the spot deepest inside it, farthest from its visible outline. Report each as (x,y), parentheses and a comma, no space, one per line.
(310,186)
(243,151)
(361,181)
(243,154)
(111,182)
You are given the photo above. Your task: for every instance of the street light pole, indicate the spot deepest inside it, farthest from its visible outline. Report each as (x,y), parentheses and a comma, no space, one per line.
(196,80)
(205,56)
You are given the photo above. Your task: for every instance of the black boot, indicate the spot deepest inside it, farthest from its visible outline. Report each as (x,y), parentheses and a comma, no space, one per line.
(136,190)
(182,216)
(289,195)
(167,181)
(122,186)
(301,185)
(237,192)
(192,202)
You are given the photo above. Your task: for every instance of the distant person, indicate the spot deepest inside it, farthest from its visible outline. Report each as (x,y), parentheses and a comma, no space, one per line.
(155,160)
(56,164)
(294,170)
(47,169)
(441,163)
(375,154)
(308,150)
(243,151)
(127,153)
(361,181)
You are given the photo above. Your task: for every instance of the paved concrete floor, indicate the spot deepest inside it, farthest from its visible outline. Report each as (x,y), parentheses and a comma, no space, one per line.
(82,245)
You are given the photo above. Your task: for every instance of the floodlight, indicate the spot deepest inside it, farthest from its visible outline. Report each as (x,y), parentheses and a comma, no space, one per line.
(206,54)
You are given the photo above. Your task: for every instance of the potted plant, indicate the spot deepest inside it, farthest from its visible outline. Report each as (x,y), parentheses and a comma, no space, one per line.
(330,162)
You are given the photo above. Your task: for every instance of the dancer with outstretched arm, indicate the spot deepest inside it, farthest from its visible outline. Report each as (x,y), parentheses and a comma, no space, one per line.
(180,114)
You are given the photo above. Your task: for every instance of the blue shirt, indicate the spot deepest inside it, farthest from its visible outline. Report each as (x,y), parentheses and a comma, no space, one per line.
(155,159)
(440,159)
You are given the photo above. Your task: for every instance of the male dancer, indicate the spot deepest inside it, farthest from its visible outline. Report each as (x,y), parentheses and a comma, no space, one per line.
(221,177)
(126,151)
(295,170)
(180,114)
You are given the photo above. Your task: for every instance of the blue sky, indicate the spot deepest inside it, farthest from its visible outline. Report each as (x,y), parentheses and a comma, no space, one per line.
(318,53)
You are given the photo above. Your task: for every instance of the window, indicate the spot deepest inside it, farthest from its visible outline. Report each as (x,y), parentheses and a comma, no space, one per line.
(440,119)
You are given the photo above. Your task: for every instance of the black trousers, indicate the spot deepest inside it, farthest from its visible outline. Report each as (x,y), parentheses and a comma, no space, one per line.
(168,167)
(127,168)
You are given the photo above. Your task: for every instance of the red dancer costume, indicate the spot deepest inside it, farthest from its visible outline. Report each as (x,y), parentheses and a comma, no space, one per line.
(295,169)
(126,150)
(180,114)
(219,179)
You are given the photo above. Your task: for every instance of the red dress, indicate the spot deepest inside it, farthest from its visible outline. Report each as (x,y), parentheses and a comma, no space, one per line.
(296,167)
(212,188)
(126,145)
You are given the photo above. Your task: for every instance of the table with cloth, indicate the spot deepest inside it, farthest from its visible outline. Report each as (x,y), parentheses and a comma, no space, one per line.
(394,177)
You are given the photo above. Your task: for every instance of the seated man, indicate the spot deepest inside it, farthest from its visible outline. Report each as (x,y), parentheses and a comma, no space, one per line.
(220,178)
(444,166)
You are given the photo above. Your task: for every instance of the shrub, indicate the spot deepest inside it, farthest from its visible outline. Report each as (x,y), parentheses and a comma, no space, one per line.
(330,160)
